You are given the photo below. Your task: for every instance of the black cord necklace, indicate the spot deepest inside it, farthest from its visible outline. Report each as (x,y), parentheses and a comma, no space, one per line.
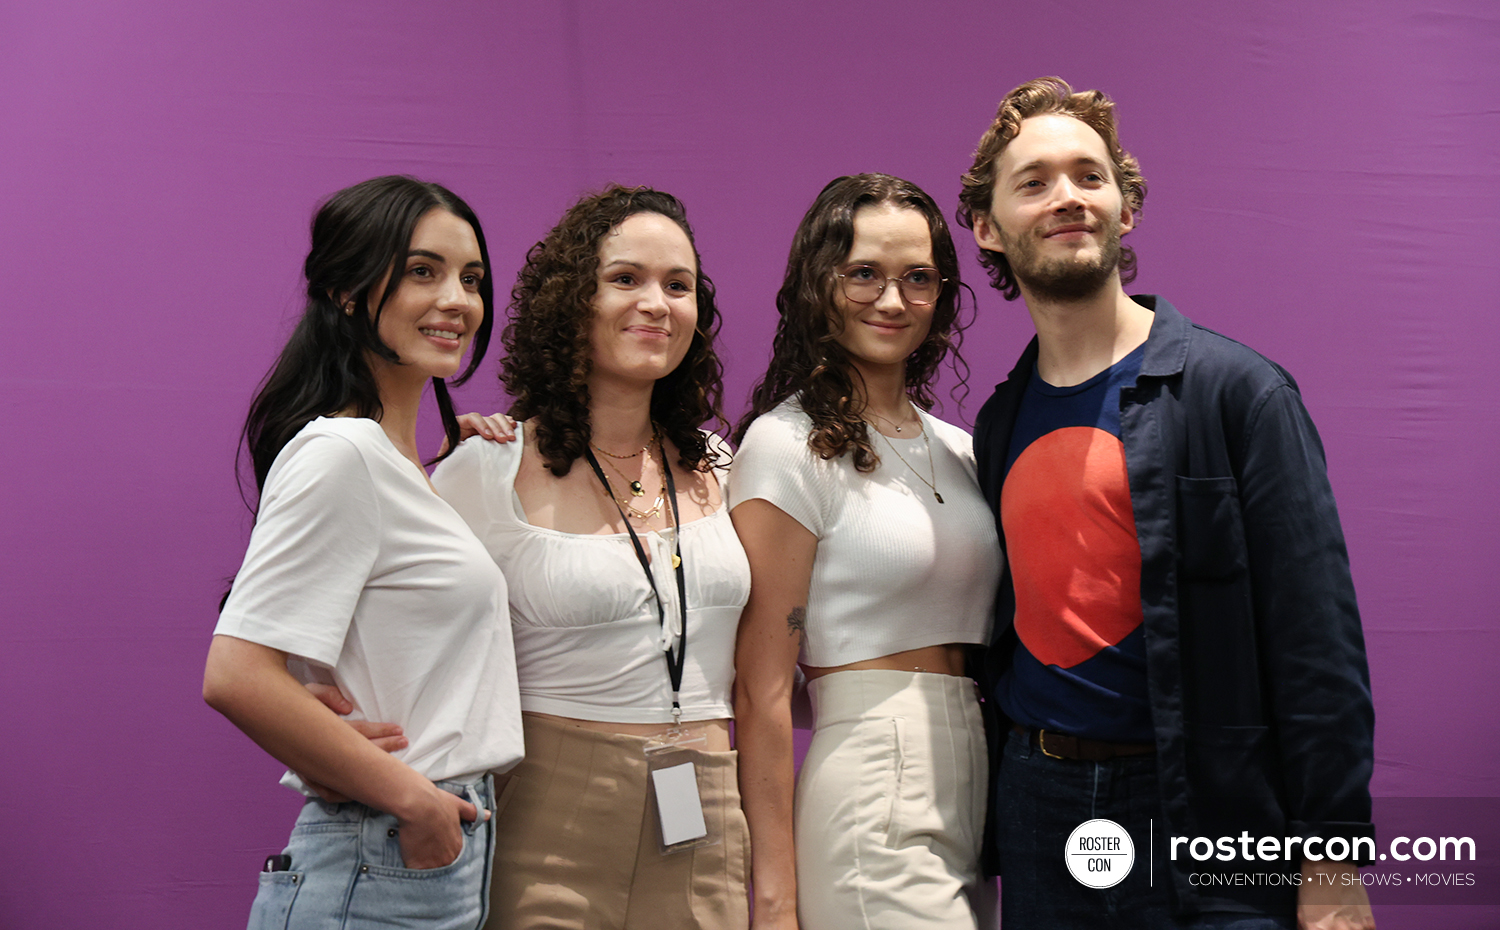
(674,663)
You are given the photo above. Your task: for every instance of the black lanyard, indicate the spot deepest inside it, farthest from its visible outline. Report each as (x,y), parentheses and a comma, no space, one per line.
(674,665)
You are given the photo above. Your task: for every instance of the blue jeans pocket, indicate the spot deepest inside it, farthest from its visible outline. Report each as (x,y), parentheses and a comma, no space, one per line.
(351,873)
(273,902)
(447,897)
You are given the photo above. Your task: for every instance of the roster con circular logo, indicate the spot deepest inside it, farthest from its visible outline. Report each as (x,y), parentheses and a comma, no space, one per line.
(1100,853)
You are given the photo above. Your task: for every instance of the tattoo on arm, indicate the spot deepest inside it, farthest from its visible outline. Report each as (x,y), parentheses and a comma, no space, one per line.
(796,621)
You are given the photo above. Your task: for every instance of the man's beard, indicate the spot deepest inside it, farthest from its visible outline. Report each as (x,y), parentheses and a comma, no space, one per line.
(1064,280)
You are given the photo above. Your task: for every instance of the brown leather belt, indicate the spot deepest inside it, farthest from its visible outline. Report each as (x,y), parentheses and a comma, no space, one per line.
(1061,746)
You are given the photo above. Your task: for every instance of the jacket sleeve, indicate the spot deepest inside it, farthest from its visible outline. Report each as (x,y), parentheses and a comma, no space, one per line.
(1316,680)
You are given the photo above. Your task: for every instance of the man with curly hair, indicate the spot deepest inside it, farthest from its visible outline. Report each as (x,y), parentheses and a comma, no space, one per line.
(1178,647)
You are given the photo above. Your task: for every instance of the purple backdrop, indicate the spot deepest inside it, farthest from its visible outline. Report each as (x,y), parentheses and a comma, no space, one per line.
(1323,187)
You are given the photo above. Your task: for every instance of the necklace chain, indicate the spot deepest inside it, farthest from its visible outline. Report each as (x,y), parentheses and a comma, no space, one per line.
(631,455)
(636,488)
(931,465)
(894,426)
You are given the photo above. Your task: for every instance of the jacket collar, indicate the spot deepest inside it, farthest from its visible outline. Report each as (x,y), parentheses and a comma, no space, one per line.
(1167,345)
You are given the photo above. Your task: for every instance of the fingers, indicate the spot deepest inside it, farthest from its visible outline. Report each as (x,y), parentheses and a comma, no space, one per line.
(470,424)
(375,730)
(387,737)
(503,426)
(467,811)
(497,427)
(331,697)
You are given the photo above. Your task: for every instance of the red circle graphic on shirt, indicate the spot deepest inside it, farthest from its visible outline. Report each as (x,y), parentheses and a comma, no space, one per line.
(1070,539)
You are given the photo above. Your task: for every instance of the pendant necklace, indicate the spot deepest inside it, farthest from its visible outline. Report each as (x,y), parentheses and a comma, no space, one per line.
(931,465)
(636,490)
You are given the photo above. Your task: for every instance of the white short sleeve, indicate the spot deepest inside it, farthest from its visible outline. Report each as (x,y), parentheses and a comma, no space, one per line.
(774,464)
(315,542)
(469,481)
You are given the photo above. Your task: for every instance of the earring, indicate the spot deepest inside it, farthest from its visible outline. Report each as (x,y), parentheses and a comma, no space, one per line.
(348,309)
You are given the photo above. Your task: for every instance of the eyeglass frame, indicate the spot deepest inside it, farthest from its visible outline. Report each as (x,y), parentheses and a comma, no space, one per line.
(885,282)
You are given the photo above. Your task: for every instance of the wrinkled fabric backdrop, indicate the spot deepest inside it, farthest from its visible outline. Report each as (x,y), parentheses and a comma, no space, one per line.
(1323,187)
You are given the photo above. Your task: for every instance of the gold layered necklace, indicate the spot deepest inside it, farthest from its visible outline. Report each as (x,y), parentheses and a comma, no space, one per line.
(636,488)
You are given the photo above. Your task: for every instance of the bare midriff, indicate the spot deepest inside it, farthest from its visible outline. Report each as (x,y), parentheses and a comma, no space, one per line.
(947,659)
(716,731)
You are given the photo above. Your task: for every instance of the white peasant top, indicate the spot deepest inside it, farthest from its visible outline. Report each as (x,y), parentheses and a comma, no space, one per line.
(589,641)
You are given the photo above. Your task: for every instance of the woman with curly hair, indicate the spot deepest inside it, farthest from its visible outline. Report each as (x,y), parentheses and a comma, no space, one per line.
(874,561)
(626,580)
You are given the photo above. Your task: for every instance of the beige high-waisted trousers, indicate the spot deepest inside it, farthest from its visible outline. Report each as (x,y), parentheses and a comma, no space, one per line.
(577,843)
(890,804)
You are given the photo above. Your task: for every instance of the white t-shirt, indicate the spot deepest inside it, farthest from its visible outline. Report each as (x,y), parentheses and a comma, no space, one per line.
(358,568)
(895,570)
(589,640)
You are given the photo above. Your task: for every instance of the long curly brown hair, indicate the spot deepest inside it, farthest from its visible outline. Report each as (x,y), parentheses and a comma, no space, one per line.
(806,357)
(548,355)
(1034,98)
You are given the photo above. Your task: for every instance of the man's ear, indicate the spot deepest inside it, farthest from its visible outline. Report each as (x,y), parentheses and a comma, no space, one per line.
(987,234)
(1127,219)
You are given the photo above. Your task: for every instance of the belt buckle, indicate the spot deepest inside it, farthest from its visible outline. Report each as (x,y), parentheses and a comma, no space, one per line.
(1041,743)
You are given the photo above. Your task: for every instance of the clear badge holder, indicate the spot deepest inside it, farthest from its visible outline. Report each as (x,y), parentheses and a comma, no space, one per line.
(675,791)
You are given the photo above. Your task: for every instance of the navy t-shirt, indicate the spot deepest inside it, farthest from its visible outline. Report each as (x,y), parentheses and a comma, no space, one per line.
(1075,562)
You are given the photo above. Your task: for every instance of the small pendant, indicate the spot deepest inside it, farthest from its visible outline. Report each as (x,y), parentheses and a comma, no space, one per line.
(938,496)
(676,561)
(636,489)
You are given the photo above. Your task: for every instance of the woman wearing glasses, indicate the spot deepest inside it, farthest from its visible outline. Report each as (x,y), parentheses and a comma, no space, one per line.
(874,561)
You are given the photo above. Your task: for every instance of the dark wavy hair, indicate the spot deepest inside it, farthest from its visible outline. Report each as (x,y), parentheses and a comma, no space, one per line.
(548,353)
(1034,98)
(806,358)
(359,235)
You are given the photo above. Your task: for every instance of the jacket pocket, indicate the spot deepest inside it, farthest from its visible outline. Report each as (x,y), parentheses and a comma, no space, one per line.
(1210,529)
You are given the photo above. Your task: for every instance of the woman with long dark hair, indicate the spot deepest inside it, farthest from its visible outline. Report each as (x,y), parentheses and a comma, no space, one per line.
(360,576)
(874,561)
(626,580)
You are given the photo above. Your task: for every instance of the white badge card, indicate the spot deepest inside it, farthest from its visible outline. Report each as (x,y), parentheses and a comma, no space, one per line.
(679,805)
(674,788)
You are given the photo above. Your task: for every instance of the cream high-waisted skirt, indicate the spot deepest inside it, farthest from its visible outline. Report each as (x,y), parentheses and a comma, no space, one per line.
(890,804)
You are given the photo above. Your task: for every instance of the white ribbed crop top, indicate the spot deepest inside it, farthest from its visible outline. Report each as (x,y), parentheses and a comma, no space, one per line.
(589,641)
(895,570)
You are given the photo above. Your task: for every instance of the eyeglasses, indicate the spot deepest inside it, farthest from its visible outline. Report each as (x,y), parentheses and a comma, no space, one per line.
(863,284)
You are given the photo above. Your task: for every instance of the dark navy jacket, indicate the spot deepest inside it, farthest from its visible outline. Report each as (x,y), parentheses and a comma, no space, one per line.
(1256,673)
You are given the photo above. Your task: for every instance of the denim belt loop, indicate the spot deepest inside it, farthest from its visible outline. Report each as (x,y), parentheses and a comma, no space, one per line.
(1025,743)
(472,794)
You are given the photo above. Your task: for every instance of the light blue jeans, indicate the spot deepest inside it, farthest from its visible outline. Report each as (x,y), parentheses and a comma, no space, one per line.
(347,872)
